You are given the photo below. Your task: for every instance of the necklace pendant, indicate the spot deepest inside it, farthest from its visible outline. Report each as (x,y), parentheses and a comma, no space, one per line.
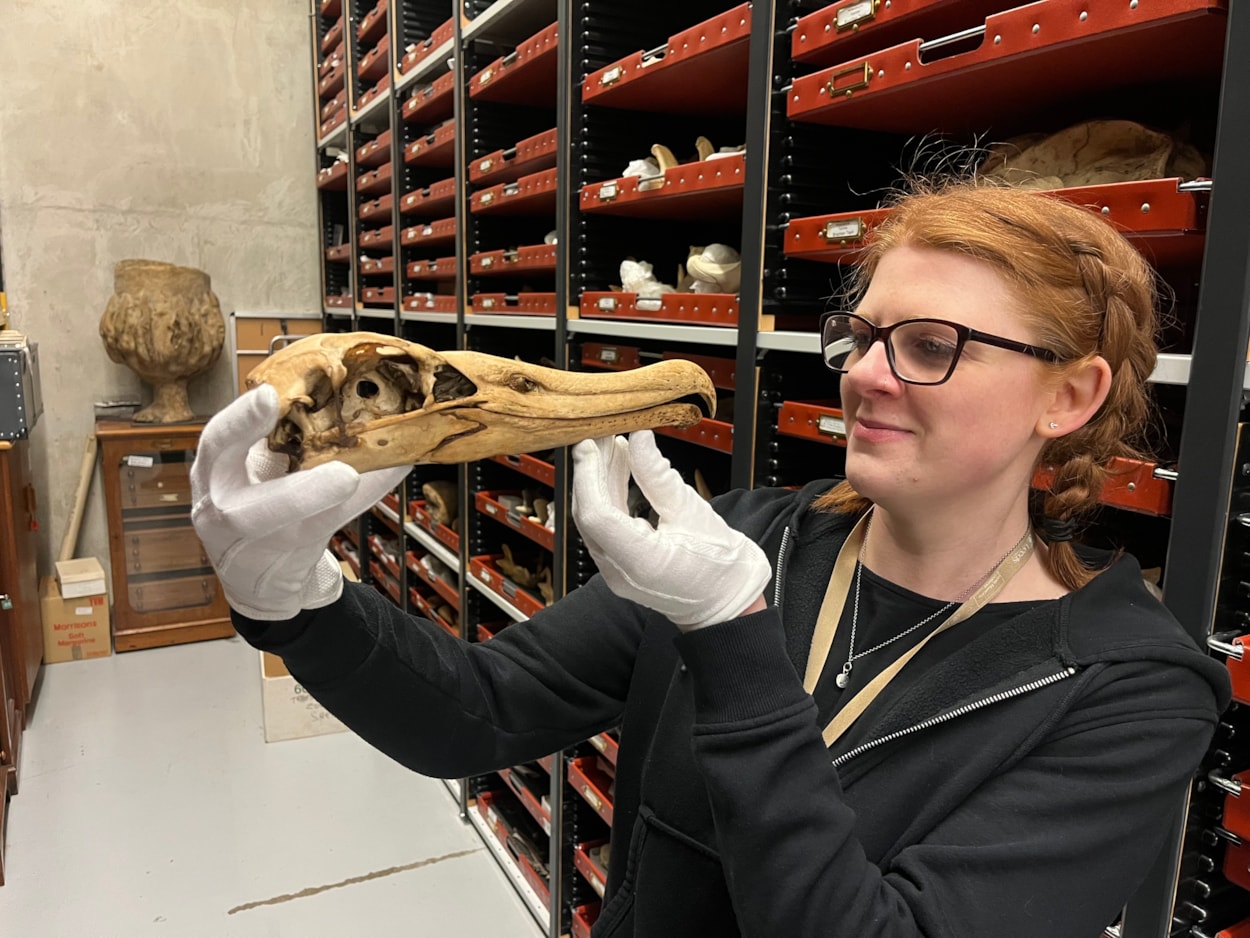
(843,678)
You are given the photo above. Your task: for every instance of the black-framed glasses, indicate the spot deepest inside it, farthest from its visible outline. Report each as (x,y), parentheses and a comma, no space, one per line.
(920,351)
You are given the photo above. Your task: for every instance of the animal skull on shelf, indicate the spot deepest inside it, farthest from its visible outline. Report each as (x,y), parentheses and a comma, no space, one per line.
(375,401)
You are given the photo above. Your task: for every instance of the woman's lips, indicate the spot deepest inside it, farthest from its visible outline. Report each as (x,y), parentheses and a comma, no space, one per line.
(874,431)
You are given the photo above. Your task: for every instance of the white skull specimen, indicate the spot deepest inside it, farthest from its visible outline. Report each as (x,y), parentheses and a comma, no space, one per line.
(374,401)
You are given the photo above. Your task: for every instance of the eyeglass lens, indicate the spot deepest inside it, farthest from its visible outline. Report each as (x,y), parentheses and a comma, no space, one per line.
(919,351)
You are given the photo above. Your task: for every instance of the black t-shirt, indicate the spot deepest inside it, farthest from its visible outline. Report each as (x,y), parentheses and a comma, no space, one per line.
(885,610)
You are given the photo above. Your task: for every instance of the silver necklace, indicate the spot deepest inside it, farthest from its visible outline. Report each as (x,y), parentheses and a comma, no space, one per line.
(844,677)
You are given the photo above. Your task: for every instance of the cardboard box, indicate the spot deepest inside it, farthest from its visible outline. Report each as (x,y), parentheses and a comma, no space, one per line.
(255,334)
(82,577)
(73,629)
(290,711)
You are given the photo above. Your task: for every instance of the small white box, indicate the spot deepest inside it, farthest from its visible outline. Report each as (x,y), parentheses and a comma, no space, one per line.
(82,577)
(290,711)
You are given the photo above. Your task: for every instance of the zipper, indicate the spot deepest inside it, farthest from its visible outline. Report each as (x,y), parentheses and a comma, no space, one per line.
(953,714)
(781,557)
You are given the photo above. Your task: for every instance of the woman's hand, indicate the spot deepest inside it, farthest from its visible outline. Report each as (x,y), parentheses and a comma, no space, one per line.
(265,531)
(693,567)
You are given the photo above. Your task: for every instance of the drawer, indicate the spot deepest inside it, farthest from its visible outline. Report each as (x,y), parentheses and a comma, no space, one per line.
(162,550)
(176,593)
(254,335)
(164,485)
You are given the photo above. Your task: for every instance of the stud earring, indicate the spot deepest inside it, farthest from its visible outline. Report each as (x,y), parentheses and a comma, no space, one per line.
(1054,426)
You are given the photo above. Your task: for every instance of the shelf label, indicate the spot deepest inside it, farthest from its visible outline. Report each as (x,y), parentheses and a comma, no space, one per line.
(489,303)
(852,14)
(140,462)
(485,166)
(607,303)
(591,797)
(850,230)
(833,426)
(607,192)
(598,743)
(486,76)
(487,198)
(607,355)
(611,76)
(488,261)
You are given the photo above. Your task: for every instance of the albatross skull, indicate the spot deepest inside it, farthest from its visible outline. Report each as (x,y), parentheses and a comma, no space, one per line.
(374,401)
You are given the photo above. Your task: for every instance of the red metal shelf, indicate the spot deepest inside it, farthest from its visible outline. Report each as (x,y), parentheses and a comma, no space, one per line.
(606,745)
(711,434)
(584,918)
(595,874)
(423,519)
(434,200)
(334,104)
(704,309)
(487,503)
(339,252)
(431,103)
(375,181)
(333,123)
(378,296)
(536,469)
(373,24)
(525,76)
(1043,53)
(484,569)
(377,91)
(378,548)
(437,148)
(534,194)
(433,233)
(527,799)
(331,61)
(520,304)
(334,176)
(1164,221)
(528,156)
(722,371)
(342,301)
(486,806)
(426,608)
(345,551)
(379,208)
(381,239)
(438,268)
(440,35)
(708,189)
(1131,484)
(332,84)
(536,258)
(592,784)
(702,70)
(616,357)
(387,582)
(372,266)
(331,7)
(374,63)
(332,36)
(376,152)
(821,421)
(447,590)
(429,303)
(488,630)
(854,27)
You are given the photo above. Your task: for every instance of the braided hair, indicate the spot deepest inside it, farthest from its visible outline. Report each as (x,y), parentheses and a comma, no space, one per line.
(1085,291)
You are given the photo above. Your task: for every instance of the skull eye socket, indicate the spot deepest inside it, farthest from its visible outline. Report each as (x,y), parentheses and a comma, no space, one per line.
(522,384)
(367,389)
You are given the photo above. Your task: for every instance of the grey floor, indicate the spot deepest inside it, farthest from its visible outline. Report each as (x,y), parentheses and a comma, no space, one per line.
(151,805)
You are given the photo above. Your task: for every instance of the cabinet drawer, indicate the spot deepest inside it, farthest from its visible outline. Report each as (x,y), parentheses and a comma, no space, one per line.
(177,593)
(164,485)
(161,550)
(254,335)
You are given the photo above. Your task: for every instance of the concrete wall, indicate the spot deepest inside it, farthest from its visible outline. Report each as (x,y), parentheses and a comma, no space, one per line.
(180,132)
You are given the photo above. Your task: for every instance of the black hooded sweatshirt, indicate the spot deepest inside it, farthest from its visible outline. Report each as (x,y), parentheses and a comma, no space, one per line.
(1016,781)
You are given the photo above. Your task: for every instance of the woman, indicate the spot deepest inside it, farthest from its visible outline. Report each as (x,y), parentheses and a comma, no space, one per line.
(895,706)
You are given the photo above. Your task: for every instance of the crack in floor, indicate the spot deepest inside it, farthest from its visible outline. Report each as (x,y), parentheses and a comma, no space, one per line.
(353,880)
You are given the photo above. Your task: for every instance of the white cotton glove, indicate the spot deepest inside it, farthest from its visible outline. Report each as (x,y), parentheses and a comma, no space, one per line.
(265,531)
(693,567)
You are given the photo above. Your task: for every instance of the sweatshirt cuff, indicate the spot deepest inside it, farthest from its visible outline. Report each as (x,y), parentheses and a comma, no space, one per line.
(741,669)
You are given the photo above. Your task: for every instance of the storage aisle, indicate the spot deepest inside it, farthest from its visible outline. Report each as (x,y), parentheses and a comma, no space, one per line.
(151,805)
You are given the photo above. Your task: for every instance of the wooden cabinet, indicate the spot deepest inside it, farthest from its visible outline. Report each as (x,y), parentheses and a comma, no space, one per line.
(21,634)
(164,590)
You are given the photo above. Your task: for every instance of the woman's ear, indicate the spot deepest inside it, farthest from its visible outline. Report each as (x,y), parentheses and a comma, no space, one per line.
(1076,397)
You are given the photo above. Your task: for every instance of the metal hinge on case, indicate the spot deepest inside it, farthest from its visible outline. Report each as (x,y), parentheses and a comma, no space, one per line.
(509,59)
(511,188)
(652,56)
(511,256)
(843,232)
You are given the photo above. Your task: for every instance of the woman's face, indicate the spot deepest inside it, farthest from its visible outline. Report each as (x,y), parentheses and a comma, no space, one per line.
(971,438)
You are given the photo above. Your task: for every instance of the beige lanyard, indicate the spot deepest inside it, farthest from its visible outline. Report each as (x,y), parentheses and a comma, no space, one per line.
(831,614)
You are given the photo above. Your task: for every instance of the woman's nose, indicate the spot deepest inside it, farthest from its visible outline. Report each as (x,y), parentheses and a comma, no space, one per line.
(873,370)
